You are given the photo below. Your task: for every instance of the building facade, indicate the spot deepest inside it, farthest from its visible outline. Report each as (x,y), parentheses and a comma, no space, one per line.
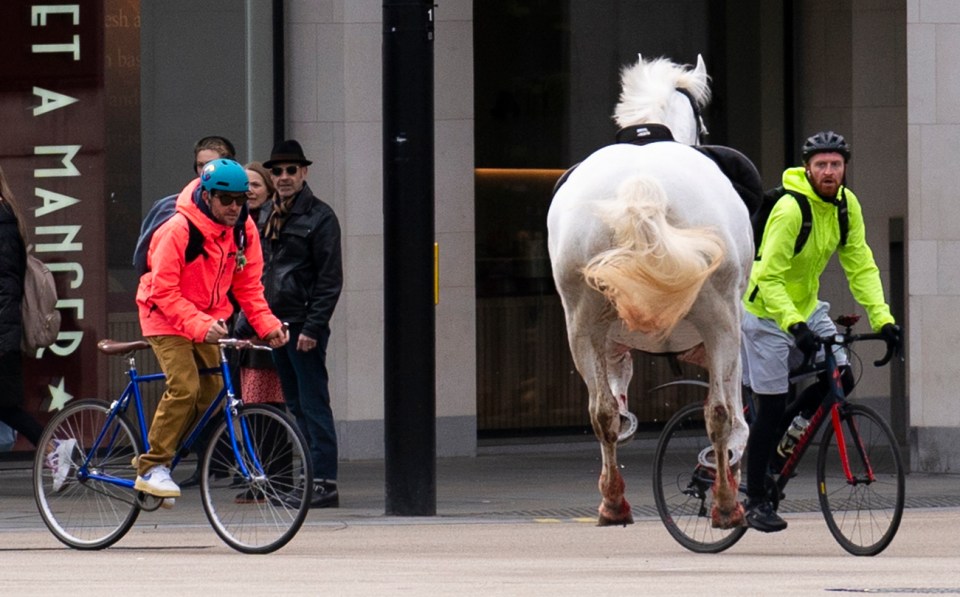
(523,90)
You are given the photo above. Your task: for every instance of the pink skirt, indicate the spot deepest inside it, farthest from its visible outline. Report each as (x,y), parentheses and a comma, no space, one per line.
(260,386)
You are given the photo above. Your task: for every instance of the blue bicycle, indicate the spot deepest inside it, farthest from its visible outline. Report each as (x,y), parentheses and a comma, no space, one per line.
(256,476)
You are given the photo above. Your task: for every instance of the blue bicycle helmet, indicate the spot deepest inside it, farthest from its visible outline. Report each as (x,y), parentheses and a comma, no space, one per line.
(825,142)
(224,174)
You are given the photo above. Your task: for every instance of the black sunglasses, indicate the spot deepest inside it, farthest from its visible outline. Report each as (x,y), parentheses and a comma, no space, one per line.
(228,198)
(291,170)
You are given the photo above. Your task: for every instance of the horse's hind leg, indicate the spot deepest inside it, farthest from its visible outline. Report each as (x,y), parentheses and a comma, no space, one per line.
(723,411)
(590,356)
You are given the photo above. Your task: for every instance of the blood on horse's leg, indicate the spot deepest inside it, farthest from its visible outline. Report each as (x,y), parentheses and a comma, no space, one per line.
(727,512)
(730,517)
(614,509)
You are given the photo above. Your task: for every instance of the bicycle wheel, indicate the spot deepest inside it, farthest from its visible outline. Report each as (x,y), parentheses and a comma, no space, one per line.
(863,515)
(682,487)
(80,510)
(262,511)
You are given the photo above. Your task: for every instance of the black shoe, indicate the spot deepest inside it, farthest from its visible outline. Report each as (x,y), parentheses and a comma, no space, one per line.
(325,495)
(762,517)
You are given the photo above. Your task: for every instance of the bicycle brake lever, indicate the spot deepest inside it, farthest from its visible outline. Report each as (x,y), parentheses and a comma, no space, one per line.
(891,350)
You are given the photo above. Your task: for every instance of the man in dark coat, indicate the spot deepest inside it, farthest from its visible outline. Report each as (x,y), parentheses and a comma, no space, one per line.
(302,278)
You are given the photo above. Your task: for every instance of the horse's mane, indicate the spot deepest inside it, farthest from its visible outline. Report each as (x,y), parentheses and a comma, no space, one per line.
(646,88)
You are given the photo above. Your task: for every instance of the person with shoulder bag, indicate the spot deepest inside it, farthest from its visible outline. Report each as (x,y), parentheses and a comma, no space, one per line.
(13,257)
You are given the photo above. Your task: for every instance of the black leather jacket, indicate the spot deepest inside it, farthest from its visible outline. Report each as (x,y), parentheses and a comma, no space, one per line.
(303,269)
(12,268)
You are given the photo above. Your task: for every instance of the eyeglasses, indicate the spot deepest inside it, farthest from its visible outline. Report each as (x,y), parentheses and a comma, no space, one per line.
(290,170)
(226,199)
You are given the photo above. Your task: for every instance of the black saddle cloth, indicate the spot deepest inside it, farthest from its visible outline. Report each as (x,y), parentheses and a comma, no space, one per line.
(738,168)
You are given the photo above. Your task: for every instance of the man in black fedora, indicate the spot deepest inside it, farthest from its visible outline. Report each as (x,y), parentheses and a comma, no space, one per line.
(302,278)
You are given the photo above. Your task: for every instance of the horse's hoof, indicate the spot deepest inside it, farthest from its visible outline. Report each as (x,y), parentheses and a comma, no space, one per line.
(610,517)
(727,520)
(603,521)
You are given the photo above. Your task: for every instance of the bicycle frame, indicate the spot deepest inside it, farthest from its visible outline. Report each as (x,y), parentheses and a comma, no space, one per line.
(832,403)
(132,392)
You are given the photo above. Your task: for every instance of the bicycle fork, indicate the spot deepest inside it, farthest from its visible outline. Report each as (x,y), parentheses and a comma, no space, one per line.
(242,442)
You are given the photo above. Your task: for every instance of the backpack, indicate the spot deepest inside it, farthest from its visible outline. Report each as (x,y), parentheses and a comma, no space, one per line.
(38,310)
(161,211)
(759,219)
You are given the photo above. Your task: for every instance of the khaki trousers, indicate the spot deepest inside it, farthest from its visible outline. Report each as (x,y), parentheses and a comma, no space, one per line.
(187,395)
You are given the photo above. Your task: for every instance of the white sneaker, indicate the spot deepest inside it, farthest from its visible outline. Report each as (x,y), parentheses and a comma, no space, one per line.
(168,503)
(60,460)
(157,482)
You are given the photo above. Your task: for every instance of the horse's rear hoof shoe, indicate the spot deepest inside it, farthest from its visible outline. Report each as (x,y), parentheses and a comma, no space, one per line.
(628,427)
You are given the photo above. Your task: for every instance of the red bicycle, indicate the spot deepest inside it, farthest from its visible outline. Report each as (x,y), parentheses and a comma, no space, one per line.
(860,474)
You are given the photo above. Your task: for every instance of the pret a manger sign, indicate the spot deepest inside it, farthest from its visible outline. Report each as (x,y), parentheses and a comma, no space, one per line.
(52,149)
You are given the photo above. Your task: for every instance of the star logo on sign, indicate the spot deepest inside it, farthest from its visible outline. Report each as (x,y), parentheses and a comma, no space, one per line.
(58,397)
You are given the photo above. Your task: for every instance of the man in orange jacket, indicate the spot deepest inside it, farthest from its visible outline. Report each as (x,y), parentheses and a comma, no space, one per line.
(193,260)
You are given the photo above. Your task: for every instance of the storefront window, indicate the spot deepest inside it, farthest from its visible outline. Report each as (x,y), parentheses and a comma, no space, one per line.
(546,82)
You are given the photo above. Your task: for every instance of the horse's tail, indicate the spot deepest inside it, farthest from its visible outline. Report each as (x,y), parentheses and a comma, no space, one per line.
(654,271)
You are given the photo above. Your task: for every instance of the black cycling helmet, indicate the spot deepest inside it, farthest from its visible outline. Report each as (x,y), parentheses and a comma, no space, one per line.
(825,142)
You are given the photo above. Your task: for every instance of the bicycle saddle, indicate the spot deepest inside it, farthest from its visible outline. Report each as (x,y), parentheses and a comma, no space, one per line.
(114,347)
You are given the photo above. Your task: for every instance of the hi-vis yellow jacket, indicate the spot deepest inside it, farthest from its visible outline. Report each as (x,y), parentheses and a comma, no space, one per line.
(785,287)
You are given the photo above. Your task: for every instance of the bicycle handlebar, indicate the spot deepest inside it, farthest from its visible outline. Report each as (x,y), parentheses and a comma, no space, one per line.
(242,343)
(239,343)
(846,339)
(891,348)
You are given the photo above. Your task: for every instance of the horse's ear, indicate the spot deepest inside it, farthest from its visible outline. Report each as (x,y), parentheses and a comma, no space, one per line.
(701,68)
(639,58)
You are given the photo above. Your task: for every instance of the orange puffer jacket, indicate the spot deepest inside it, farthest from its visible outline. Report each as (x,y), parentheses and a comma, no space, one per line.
(185,299)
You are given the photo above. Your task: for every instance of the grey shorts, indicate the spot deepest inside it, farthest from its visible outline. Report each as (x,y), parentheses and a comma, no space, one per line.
(769,353)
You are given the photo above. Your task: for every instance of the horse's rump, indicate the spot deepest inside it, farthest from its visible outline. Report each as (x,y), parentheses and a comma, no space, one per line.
(655,269)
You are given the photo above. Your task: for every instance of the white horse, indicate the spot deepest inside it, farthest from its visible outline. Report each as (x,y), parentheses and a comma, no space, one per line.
(651,249)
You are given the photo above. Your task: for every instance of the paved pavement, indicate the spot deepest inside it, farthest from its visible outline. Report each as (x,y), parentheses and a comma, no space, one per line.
(511,521)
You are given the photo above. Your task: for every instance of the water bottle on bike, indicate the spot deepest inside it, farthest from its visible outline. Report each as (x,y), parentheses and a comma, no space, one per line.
(789,441)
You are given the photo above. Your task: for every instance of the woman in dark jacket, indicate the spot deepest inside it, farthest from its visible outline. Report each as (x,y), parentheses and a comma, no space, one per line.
(12,267)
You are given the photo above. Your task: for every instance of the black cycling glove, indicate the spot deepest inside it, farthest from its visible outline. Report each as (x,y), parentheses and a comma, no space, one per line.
(805,339)
(893,335)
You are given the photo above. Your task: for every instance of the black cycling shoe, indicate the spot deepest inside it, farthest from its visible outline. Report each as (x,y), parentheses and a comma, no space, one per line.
(762,517)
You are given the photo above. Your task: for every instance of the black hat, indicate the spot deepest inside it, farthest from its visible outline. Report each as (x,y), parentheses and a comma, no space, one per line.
(287,151)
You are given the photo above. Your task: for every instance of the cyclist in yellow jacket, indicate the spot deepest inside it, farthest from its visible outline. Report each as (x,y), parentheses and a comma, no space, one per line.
(783,311)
